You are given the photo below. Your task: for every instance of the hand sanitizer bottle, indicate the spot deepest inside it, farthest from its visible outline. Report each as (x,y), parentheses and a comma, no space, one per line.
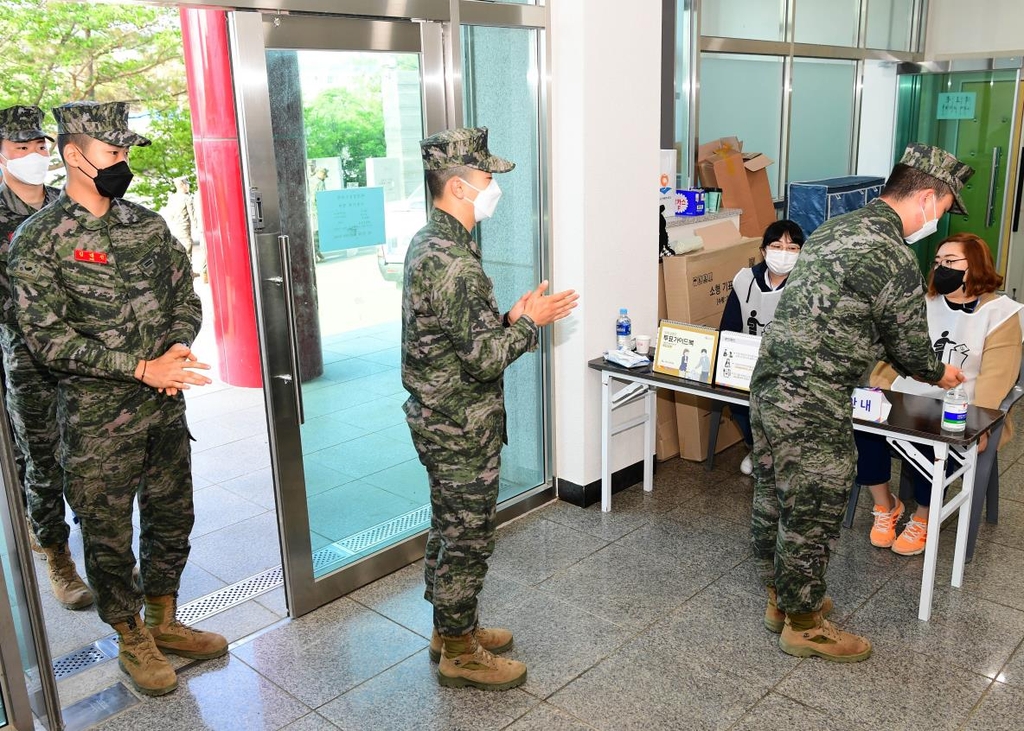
(954,409)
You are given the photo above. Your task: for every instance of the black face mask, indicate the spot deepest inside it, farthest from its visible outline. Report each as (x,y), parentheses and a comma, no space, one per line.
(947,280)
(113,181)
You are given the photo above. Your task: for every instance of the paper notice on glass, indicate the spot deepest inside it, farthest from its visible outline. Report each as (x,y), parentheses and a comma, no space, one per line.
(870,404)
(737,356)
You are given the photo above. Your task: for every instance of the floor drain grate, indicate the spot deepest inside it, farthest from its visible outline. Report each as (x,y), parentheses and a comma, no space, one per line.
(386,531)
(77,661)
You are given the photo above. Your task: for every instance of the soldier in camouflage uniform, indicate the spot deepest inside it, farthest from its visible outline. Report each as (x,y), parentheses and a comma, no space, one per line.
(31,391)
(104,298)
(855,297)
(455,346)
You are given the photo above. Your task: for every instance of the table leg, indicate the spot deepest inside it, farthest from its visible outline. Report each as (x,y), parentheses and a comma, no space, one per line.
(606,442)
(651,411)
(931,546)
(963,526)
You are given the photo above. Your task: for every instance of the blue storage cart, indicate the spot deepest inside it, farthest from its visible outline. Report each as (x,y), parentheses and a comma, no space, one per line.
(812,202)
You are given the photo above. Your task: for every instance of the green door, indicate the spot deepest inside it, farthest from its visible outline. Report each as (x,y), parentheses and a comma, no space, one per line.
(983,143)
(979,136)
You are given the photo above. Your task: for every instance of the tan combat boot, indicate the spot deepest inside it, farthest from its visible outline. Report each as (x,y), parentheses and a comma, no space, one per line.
(176,638)
(495,640)
(68,587)
(775,618)
(140,658)
(810,634)
(464,662)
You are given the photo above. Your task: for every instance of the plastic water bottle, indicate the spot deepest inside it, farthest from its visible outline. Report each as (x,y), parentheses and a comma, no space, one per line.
(954,409)
(623,331)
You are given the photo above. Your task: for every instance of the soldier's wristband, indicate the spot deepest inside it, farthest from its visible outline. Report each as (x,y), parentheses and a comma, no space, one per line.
(505,322)
(142,378)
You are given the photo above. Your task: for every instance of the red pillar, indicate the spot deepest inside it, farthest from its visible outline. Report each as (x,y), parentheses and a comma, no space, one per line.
(219,174)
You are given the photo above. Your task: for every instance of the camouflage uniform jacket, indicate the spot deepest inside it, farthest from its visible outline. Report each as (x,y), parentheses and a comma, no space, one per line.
(13,211)
(454,344)
(855,297)
(93,297)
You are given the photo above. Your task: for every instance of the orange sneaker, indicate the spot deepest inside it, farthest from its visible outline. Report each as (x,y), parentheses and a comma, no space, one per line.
(912,539)
(883,532)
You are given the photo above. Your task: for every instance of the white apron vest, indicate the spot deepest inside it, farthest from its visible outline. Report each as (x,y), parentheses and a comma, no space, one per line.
(756,307)
(959,338)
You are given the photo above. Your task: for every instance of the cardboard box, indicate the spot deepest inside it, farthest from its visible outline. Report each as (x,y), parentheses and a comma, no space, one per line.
(743,178)
(697,287)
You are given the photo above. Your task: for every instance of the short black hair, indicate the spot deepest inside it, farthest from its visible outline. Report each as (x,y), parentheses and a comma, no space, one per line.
(80,141)
(904,181)
(776,230)
(437,179)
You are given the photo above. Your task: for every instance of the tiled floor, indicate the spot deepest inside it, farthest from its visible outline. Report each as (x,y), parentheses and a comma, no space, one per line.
(645,618)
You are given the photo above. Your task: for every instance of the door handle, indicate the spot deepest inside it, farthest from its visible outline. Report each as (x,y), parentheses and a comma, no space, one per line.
(1020,190)
(293,337)
(990,206)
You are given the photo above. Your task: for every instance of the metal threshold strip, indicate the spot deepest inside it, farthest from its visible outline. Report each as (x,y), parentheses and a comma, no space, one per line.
(324,559)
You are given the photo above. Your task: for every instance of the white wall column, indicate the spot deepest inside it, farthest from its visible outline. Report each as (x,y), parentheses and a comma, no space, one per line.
(605,116)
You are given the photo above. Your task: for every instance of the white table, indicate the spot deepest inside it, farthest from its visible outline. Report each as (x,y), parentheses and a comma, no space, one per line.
(913,422)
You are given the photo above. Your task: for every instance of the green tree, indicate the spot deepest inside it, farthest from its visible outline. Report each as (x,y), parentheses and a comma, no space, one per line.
(56,52)
(347,123)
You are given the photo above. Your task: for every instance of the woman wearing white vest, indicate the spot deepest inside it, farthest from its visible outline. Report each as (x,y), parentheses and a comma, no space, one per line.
(751,305)
(973,328)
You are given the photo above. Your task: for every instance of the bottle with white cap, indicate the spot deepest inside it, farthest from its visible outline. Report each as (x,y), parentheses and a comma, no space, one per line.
(623,331)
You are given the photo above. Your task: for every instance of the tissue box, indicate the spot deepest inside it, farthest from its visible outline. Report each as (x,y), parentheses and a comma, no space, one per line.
(689,202)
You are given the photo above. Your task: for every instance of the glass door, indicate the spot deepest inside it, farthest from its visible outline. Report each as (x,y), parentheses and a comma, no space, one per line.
(28,689)
(331,112)
(971,114)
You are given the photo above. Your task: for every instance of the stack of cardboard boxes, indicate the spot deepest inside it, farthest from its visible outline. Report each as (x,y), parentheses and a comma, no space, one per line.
(695,287)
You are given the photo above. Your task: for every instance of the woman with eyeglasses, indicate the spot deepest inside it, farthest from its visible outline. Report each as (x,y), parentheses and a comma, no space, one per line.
(751,305)
(975,329)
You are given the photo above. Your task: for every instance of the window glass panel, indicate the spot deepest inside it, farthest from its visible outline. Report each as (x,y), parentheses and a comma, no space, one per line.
(889,24)
(760,20)
(827,22)
(741,96)
(821,114)
(682,93)
(877,118)
(501,93)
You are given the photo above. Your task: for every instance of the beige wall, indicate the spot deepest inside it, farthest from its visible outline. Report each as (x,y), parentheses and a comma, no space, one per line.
(981,28)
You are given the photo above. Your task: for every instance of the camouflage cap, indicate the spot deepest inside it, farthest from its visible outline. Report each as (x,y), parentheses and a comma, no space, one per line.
(104,121)
(941,165)
(21,124)
(462,146)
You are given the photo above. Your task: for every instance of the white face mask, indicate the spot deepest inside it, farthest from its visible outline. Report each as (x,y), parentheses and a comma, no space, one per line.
(30,169)
(781,263)
(929,227)
(486,200)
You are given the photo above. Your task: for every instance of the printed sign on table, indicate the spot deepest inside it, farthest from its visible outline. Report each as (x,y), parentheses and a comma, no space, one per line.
(687,351)
(737,356)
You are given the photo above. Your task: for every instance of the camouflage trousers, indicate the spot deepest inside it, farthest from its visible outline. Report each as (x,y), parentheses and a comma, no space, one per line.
(156,466)
(463,502)
(803,473)
(32,409)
